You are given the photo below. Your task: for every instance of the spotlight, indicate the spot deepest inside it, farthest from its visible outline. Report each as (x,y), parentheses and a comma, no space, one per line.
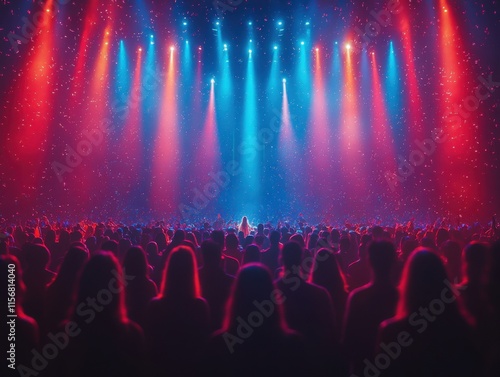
(317,49)
(172,48)
(212,81)
(284,81)
(217,23)
(185,23)
(336,43)
(249,51)
(199,48)
(140,49)
(225,47)
(308,23)
(275,47)
(250,41)
(348,46)
(302,43)
(151,36)
(187,41)
(250,23)
(280,23)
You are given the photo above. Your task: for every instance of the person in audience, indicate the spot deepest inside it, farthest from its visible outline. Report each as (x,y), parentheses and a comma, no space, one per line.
(141,289)
(359,271)
(369,305)
(111,246)
(61,292)
(177,321)
(270,257)
(104,342)
(214,282)
(232,247)
(123,245)
(36,278)
(251,254)
(231,265)
(429,335)
(177,240)
(326,273)
(267,347)
(308,310)
(473,286)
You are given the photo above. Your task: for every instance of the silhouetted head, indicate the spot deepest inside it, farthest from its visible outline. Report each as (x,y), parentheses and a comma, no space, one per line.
(76,236)
(260,229)
(377,233)
(180,278)
(335,236)
(102,281)
(152,248)
(232,241)
(254,284)
(382,256)
(424,280)
(428,242)
(211,253)
(291,255)
(218,237)
(442,235)
(123,245)
(474,259)
(345,244)
(274,237)
(37,256)
(72,265)
(161,240)
(259,240)
(91,244)
(191,238)
(110,245)
(179,236)
(298,239)
(408,244)
(313,240)
(135,262)
(251,255)
(248,241)
(326,271)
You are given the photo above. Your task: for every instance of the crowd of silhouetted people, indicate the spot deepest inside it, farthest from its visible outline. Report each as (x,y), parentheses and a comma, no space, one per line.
(106,299)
